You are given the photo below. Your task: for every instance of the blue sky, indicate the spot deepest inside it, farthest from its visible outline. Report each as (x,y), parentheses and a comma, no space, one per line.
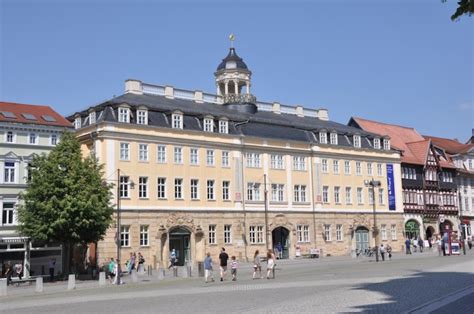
(401,62)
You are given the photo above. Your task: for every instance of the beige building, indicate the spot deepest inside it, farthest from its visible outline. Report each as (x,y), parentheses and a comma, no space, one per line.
(203,171)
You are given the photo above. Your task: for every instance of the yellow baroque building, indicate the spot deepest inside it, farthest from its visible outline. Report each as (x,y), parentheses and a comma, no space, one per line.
(197,172)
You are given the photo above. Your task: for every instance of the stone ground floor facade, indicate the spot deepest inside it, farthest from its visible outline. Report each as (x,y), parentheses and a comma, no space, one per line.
(192,234)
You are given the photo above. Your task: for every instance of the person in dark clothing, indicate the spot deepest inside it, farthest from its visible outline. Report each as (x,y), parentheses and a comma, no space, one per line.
(223,257)
(52,265)
(407,246)
(421,244)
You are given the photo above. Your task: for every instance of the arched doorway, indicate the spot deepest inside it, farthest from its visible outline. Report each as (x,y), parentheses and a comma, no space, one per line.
(429,232)
(362,239)
(281,239)
(412,229)
(180,240)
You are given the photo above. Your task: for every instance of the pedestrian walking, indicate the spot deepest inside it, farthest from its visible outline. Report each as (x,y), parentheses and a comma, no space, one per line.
(223,258)
(407,246)
(257,266)
(117,277)
(469,242)
(172,259)
(19,270)
(279,250)
(414,243)
(421,243)
(52,265)
(8,273)
(270,263)
(208,268)
(111,268)
(382,252)
(233,268)
(389,252)
(141,262)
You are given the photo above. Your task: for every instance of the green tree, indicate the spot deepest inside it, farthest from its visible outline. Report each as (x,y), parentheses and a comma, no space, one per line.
(464,7)
(66,199)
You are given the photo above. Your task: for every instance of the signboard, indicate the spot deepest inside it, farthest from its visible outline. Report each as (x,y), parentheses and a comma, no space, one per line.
(238,197)
(390,187)
(314,252)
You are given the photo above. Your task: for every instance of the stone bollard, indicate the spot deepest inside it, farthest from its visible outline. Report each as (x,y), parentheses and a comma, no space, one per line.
(175,271)
(39,284)
(71,282)
(134,276)
(102,279)
(3,287)
(161,274)
(189,270)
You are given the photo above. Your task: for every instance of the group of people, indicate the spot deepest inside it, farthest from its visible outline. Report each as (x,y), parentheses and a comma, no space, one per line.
(234,265)
(9,270)
(135,262)
(385,250)
(416,244)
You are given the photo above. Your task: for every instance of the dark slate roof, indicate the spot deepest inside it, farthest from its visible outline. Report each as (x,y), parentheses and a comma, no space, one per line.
(260,124)
(232,56)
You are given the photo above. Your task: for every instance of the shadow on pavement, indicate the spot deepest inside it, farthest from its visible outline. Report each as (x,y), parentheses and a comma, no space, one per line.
(410,292)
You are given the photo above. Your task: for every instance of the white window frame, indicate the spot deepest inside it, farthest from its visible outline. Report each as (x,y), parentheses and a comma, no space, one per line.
(227,234)
(178,155)
(225,161)
(177,120)
(337,195)
(379,169)
(10,173)
(393,232)
(325,194)
(323,137)
(208,125)
(161,154)
(92,117)
(324,166)
(142,116)
(124,188)
(302,233)
(252,160)
(299,163)
(77,123)
(11,214)
(125,236)
(357,141)
(211,190)
(347,167)
(278,192)
(386,144)
(226,190)
(339,233)
(358,168)
(55,141)
(223,126)
(212,234)
(383,232)
(194,189)
(253,191)
(178,188)
(377,143)
(144,235)
(360,196)
(123,115)
(34,136)
(370,169)
(348,196)
(277,161)
(299,193)
(13,137)
(124,151)
(161,187)
(143,187)
(333,138)
(327,233)
(194,156)
(143,153)
(335,166)
(381,196)
(210,157)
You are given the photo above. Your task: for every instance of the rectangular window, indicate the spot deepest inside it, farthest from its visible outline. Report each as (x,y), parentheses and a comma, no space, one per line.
(381,197)
(379,170)
(327,232)
(252,235)
(178,188)
(347,167)
(53,139)
(142,117)
(161,188)
(177,119)
(277,192)
(323,137)
(358,168)
(33,138)
(125,236)
(376,143)
(383,232)
(124,115)
(393,231)
(348,195)
(92,117)
(225,159)
(333,138)
(225,190)
(210,190)
(357,141)
(324,166)
(142,152)
(161,153)
(253,191)
(124,151)
(360,198)
(178,155)
(276,162)
(208,125)
(194,156)
(10,137)
(325,194)
(194,189)
(253,160)
(212,234)
(299,163)
(210,160)
(260,234)
(369,168)
(8,214)
(77,123)
(9,172)
(335,166)
(124,187)
(227,234)
(224,126)
(144,236)
(302,233)
(386,144)
(143,187)
(338,232)
(299,193)
(337,198)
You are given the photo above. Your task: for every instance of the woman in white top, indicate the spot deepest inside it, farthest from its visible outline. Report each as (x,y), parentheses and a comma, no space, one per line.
(270,264)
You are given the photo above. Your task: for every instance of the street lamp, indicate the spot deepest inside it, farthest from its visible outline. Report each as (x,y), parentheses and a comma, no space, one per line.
(372,184)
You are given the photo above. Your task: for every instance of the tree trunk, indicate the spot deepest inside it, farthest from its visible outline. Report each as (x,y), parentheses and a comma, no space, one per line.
(67,258)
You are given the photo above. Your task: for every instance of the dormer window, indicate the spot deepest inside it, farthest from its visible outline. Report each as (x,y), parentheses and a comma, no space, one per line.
(224,126)
(323,137)
(77,123)
(142,116)
(333,138)
(386,144)
(357,141)
(177,120)
(124,115)
(376,143)
(208,125)
(92,117)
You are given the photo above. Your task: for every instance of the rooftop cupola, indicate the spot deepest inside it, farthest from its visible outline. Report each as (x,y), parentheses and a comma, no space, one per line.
(233,82)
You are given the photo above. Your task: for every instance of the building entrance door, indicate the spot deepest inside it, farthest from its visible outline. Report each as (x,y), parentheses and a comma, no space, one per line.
(180,240)
(281,240)
(362,239)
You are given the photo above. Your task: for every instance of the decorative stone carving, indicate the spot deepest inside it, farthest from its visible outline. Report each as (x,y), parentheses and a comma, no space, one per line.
(176,220)
(281,220)
(361,220)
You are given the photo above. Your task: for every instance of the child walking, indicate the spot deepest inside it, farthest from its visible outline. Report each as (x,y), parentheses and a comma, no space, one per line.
(233,268)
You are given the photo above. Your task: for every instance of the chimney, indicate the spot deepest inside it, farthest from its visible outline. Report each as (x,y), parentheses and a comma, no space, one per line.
(198,97)
(276,108)
(169,92)
(133,87)
(299,111)
(323,114)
